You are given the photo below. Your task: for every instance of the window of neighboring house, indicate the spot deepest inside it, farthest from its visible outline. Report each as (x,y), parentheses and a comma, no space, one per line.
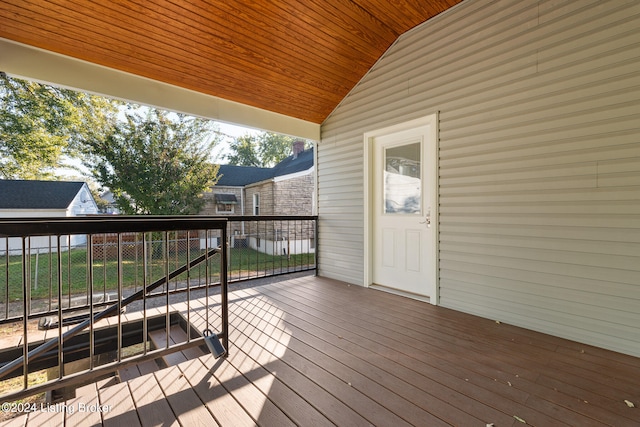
(256,204)
(222,208)
(225,203)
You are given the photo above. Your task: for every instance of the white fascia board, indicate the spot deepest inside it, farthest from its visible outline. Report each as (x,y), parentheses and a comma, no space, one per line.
(28,62)
(226,187)
(281,177)
(293,175)
(32,213)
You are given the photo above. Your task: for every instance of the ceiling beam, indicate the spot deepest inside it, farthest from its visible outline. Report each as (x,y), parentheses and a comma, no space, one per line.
(23,61)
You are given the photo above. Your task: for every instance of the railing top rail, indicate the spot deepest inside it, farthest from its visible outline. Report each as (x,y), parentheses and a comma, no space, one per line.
(271,217)
(23,227)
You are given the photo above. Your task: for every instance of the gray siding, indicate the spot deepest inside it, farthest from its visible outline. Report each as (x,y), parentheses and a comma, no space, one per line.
(539,162)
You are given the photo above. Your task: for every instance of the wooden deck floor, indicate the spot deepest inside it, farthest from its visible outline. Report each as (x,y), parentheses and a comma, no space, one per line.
(312,351)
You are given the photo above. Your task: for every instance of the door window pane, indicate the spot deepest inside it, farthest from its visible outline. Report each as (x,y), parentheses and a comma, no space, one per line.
(402,181)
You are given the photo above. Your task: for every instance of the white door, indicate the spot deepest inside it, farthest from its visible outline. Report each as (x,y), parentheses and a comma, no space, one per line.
(404,211)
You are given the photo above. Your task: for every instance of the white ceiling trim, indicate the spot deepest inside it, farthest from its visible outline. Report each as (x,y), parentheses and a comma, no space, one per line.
(23,61)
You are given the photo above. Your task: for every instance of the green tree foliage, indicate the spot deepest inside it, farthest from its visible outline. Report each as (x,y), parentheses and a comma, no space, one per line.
(263,150)
(102,203)
(39,124)
(244,152)
(155,162)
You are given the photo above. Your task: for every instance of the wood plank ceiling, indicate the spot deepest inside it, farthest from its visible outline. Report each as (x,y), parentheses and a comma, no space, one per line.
(297,58)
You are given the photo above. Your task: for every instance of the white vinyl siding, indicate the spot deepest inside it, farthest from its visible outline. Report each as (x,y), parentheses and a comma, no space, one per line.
(539,162)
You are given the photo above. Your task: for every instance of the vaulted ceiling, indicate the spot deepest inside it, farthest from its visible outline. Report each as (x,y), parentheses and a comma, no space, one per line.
(298,58)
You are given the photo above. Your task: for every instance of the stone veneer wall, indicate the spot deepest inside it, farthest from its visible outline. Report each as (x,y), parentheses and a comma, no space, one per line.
(294,196)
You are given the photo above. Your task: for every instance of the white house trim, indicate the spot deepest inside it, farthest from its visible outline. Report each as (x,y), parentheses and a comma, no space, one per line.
(431,121)
(293,175)
(25,61)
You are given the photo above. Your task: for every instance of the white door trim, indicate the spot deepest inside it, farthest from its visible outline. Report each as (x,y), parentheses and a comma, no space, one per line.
(432,166)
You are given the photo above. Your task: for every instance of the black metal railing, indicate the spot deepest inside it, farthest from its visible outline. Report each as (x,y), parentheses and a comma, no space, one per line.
(60,277)
(263,246)
(259,246)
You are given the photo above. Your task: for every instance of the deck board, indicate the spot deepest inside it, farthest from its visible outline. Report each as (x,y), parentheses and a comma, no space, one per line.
(313,351)
(184,402)
(121,408)
(221,403)
(151,404)
(469,351)
(46,418)
(19,421)
(258,371)
(129,373)
(302,375)
(309,344)
(503,351)
(257,404)
(425,382)
(88,396)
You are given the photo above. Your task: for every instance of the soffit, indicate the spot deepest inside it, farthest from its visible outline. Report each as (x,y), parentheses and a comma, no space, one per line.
(291,57)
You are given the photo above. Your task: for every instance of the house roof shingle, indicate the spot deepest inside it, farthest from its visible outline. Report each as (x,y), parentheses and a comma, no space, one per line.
(303,162)
(239,176)
(20,194)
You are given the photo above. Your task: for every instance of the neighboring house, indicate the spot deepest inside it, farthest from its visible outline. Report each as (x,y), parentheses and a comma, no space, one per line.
(111,207)
(286,189)
(31,199)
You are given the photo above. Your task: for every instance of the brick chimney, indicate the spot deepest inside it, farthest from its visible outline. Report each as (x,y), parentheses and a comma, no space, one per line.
(298,147)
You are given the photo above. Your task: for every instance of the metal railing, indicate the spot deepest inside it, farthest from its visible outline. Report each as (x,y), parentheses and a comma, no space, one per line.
(263,246)
(259,246)
(58,277)
(61,279)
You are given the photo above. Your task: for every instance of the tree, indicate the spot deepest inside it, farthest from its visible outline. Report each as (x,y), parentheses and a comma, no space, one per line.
(155,162)
(264,150)
(274,147)
(39,124)
(245,152)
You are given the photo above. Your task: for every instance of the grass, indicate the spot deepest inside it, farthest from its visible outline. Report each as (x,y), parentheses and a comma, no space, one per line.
(17,383)
(70,269)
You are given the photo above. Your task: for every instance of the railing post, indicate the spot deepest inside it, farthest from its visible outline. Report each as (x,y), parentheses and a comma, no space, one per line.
(317,244)
(120,296)
(91,314)
(224,285)
(60,343)
(25,315)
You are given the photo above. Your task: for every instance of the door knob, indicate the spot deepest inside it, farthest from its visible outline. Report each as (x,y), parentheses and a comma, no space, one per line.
(427,220)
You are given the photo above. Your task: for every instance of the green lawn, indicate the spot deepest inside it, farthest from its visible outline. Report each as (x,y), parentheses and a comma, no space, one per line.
(70,269)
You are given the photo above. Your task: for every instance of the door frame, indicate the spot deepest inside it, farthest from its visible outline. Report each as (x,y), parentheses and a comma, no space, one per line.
(431,154)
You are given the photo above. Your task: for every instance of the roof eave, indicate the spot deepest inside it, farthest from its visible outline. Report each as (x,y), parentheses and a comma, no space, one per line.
(26,61)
